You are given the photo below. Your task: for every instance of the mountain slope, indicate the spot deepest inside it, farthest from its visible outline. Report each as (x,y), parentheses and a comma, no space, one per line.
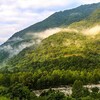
(63,50)
(76,47)
(92,20)
(26,38)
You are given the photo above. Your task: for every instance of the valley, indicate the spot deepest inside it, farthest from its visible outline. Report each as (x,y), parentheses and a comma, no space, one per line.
(55,59)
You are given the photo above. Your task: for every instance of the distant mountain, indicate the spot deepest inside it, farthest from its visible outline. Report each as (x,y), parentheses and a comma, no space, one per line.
(63,19)
(74,47)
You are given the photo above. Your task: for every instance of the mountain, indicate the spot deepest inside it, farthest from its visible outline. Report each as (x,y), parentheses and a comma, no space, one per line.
(73,47)
(28,37)
(49,54)
(63,50)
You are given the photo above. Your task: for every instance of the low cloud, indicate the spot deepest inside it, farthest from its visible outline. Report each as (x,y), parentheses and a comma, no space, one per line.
(46,33)
(38,37)
(92,31)
(15,50)
(15,39)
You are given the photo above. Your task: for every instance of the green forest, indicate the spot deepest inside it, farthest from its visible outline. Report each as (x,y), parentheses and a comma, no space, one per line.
(70,57)
(18,91)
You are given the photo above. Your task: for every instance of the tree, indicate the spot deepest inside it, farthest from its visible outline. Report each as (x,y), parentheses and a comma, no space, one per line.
(86,92)
(94,92)
(53,95)
(77,89)
(19,91)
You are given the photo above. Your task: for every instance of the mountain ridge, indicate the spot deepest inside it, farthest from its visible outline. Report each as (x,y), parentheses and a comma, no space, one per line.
(22,39)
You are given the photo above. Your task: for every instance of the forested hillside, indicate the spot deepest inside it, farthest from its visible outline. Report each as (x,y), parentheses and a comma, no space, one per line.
(69,56)
(26,38)
(69,48)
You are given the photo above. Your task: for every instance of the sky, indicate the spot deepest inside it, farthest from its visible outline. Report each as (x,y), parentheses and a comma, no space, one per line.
(16,15)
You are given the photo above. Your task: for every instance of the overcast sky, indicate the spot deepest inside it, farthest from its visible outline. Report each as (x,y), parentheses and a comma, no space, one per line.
(16,15)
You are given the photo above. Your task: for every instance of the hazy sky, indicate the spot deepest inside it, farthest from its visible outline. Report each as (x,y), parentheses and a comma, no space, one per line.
(16,15)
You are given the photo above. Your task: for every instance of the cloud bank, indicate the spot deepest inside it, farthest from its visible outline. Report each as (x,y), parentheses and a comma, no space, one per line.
(92,31)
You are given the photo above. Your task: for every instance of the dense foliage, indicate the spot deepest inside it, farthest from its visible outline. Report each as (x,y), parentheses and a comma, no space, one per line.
(45,79)
(63,50)
(68,57)
(20,92)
